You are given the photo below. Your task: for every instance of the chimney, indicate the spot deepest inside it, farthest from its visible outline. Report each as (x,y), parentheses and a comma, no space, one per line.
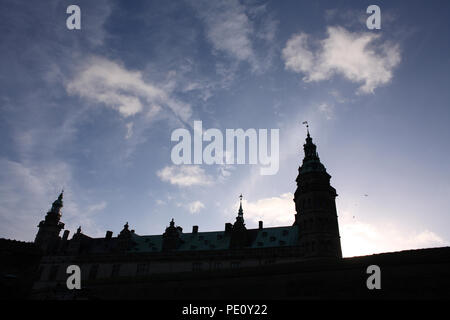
(228,227)
(194,229)
(260,225)
(65,235)
(108,235)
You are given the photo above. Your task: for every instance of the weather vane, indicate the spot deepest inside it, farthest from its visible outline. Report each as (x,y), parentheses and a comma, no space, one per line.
(307,126)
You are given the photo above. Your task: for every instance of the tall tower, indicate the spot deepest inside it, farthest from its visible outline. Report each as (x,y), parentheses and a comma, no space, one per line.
(47,237)
(316,207)
(239,237)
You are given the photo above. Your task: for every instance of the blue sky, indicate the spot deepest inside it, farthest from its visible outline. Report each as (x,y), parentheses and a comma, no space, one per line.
(92,111)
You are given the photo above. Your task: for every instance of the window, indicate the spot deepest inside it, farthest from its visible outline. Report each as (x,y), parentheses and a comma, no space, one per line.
(235,264)
(142,269)
(93,272)
(197,266)
(53,273)
(217,265)
(285,232)
(115,270)
(39,273)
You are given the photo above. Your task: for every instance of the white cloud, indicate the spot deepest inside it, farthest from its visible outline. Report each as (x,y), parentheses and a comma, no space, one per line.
(129,133)
(274,211)
(359,57)
(327,110)
(96,207)
(338,96)
(185,176)
(107,82)
(227,27)
(195,207)
(362,238)
(357,237)
(236,29)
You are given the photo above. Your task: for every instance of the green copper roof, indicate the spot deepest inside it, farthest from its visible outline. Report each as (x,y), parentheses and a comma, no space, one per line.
(219,240)
(276,237)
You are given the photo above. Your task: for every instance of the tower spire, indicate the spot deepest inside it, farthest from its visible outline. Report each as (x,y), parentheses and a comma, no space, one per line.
(240,212)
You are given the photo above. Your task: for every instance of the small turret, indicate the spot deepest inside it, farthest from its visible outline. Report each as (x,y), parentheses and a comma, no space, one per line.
(171,237)
(47,238)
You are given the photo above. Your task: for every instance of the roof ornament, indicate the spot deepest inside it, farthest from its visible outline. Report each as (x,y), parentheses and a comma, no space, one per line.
(307,127)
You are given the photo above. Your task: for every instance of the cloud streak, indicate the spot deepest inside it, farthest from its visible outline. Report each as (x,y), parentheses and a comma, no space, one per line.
(30,191)
(185,176)
(109,83)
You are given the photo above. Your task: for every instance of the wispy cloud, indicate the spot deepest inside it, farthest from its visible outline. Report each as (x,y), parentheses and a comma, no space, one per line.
(109,83)
(227,27)
(29,193)
(195,207)
(231,28)
(185,176)
(358,57)
(326,109)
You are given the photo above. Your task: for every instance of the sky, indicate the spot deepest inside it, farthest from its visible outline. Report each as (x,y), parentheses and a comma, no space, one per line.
(92,111)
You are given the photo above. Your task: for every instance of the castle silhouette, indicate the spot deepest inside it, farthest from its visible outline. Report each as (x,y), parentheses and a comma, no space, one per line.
(302,260)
